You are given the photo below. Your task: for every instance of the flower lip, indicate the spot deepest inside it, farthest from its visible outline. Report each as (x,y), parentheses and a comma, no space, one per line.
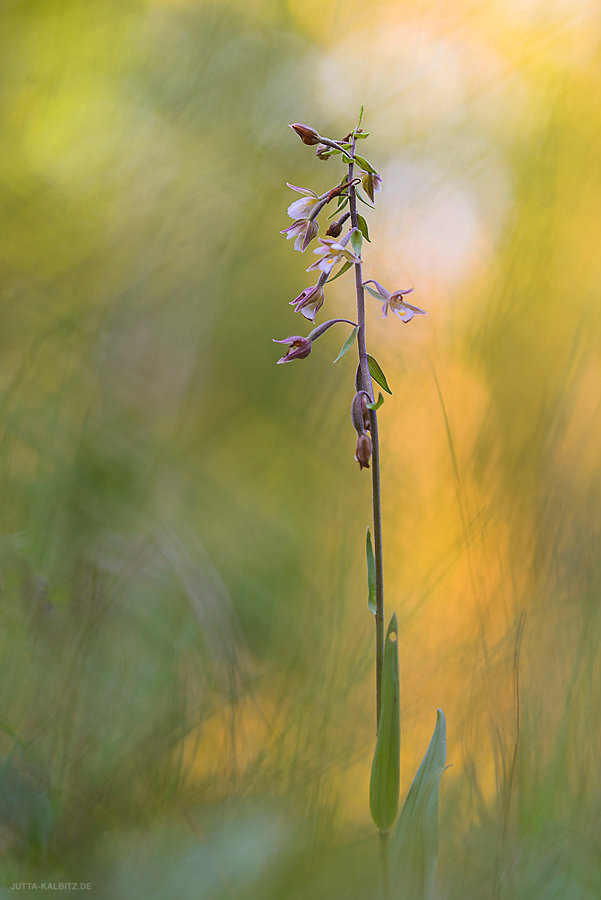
(405,311)
(332,251)
(394,301)
(299,347)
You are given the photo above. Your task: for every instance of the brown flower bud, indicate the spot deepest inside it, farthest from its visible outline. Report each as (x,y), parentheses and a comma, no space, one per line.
(363,452)
(307,134)
(334,230)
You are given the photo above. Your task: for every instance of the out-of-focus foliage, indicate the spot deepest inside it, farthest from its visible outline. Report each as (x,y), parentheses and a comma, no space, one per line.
(185,652)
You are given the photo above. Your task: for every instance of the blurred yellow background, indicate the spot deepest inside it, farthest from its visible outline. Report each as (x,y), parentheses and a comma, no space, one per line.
(187,654)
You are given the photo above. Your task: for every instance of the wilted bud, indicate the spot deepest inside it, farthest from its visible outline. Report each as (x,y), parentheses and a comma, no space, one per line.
(298,348)
(363,452)
(307,134)
(359,412)
(372,183)
(323,152)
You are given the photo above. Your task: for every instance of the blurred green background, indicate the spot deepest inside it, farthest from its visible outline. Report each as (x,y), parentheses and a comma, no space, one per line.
(185,648)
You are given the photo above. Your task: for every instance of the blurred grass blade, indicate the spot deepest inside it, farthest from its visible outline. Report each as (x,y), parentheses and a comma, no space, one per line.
(371,573)
(385,771)
(414,846)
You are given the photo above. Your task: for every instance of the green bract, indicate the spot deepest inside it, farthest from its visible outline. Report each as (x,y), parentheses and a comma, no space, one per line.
(377,374)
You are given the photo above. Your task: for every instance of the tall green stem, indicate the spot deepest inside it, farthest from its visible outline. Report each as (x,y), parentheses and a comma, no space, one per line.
(375,463)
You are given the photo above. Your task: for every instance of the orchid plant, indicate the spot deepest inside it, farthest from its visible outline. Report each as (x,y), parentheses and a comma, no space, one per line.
(408,862)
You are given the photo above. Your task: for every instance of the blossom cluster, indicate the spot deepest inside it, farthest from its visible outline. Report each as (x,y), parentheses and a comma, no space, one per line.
(335,247)
(341,245)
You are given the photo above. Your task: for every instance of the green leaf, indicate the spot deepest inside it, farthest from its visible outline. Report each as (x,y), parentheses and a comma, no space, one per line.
(365,164)
(414,844)
(378,403)
(362,135)
(374,292)
(362,199)
(377,374)
(371,573)
(362,225)
(385,771)
(360,119)
(356,241)
(348,343)
(342,201)
(340,271)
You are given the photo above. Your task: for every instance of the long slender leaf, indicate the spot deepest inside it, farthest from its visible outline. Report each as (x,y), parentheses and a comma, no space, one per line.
(362,199)
(385,771)
(342,201)
(414,844)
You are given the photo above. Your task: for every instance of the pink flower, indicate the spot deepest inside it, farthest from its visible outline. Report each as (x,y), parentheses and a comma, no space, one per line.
(303,230)
(405,311)
(298,348)
(309,301)
(302,208)
(332,252)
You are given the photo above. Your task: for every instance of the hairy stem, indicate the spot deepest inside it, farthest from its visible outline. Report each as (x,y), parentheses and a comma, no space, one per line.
(375,471)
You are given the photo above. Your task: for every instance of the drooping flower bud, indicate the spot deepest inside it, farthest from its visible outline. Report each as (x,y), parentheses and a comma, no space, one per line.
(323,152)
(335,228)
(363,452)
(307,134)
(298,348)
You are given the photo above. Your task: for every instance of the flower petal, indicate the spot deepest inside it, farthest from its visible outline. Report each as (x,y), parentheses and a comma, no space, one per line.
(307,191)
